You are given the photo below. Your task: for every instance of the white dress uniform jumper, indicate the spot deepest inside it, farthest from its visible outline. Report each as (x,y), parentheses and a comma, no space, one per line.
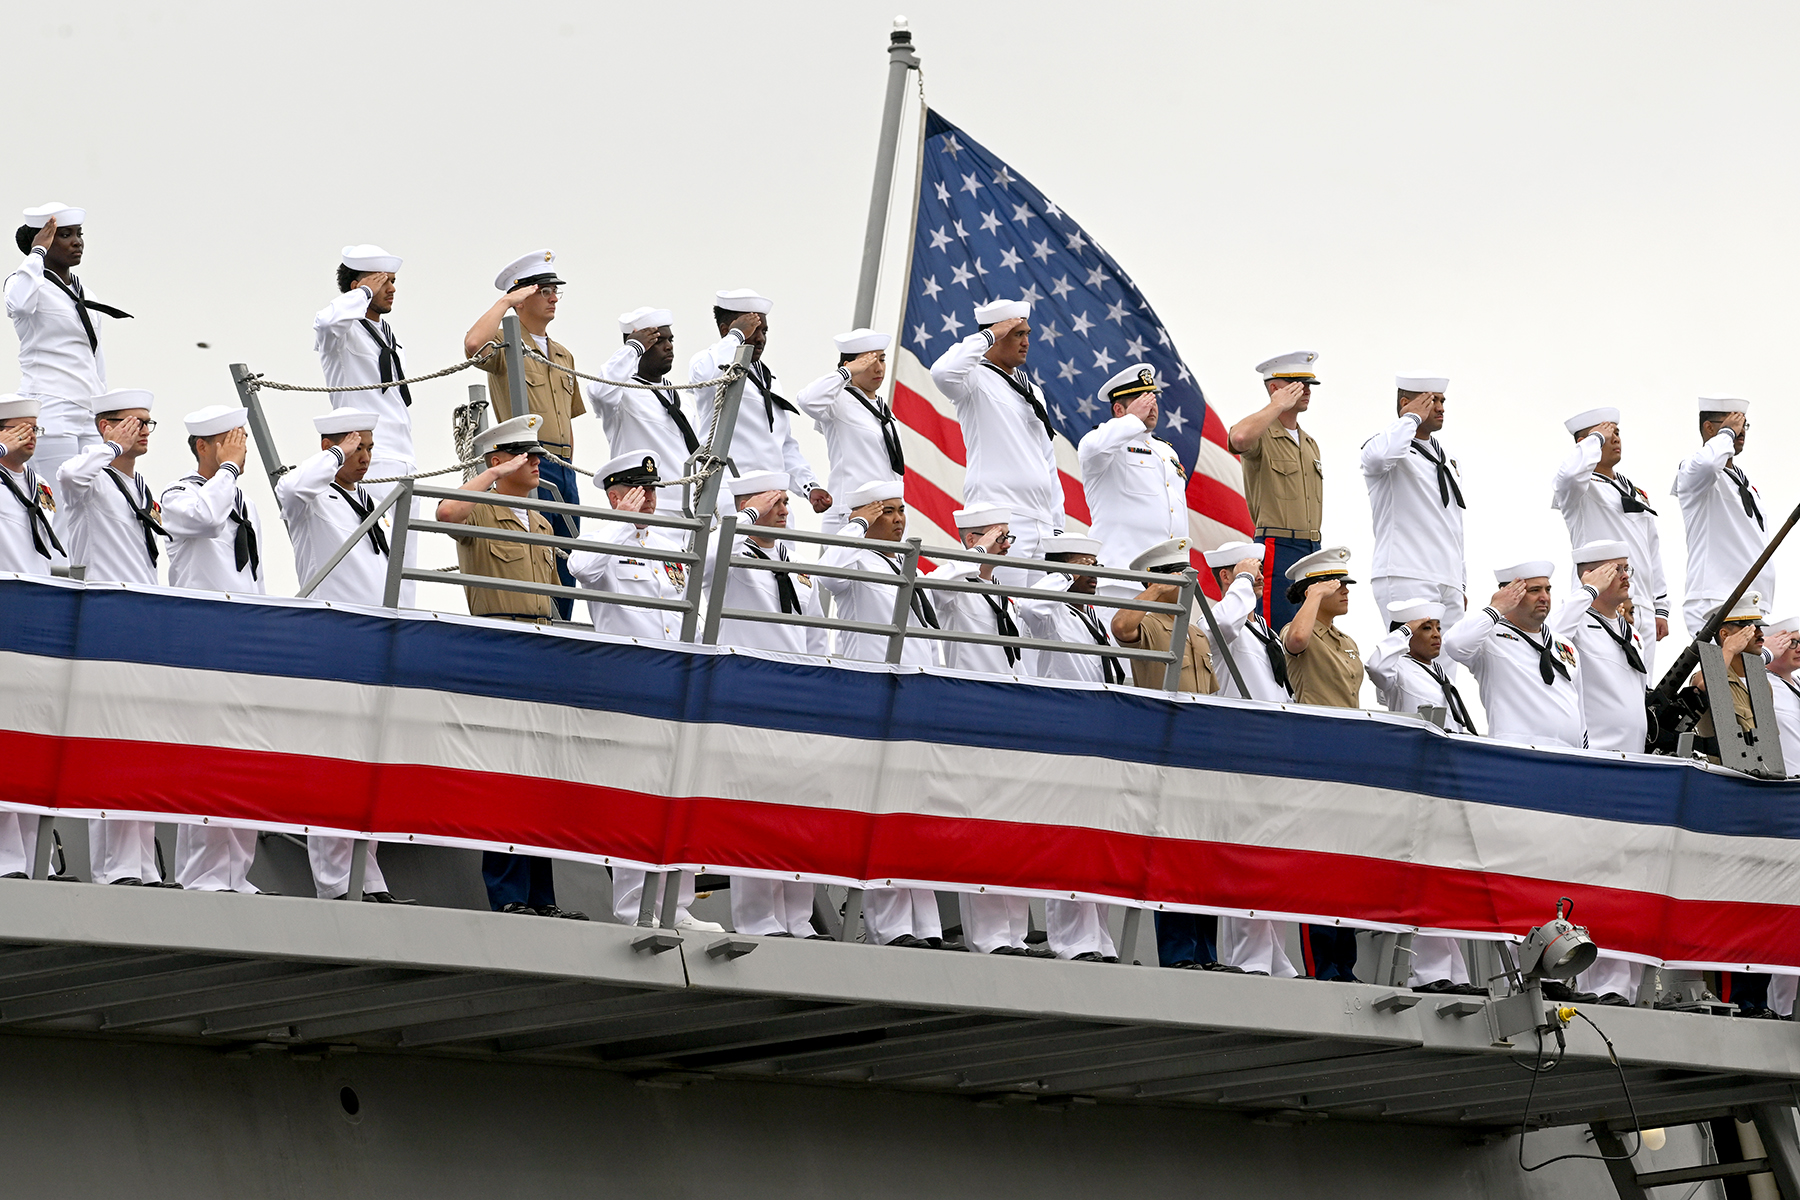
(862,439)
(1416,500)
(1255,648)
(654,420)
(855,600)
(1404,684)
(769,591)
(1070,617)
(764,437)
(1530,682)
(1726,527)
(1613,674)
(28,536)
(215,534)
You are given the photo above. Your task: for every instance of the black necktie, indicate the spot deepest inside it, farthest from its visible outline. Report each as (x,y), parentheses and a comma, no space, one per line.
(1446,479)
(1272,648)
(388,357)
(921,603)
(1024,390)
(763,382)
(890,436)
(40,524)
(138,497)
(1632,658)
(672,406)
(784,583)
(1109,665)
(362,504)
(82,305)
(1004,624)
(244,548)
(1452,698)
(1629,497)
(1549,665)
(1751,508)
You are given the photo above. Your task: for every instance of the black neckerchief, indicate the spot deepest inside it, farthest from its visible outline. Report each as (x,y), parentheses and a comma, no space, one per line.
(140,508)
(1446,479)
(1452,698)
(388,356)
(890,435)
(1549,665)
(784,583)
(1632,658)
(362,504)
(1628,494)
(1272,647)
(672,406)
(1024,390)
(40,524)
(1109,665)
(921,603)
(1004,624)
(770,400)
(78,298)
(1751,507)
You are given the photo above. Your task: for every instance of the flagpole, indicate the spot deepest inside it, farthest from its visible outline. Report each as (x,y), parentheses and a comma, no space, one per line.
(901,59)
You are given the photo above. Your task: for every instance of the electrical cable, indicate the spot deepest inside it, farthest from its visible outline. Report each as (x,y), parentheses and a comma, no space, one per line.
(1564,1014)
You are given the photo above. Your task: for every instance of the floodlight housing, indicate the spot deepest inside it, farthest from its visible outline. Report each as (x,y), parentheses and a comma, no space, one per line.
(1557,949)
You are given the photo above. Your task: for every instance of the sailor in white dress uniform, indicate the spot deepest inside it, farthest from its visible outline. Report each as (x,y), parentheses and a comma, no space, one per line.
(27,541)
(762,502)
(1721,511)
(862,435)
(1256,649)
(357,348)
(1613,675)
(1068,614)
(1530,678)
(655,420)
(1404,665)
(878,512)
(1006,427)
(983,528)
(1135,484)
(1416,500)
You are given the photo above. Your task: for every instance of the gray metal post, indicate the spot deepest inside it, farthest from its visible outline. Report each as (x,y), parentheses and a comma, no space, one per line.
(46,843)
(647,900)
(715,600)
(909,575)
(1218,640)
(397,543)
(671,904)
(853,906)
(901,59)
(259,424)
(514,351)
(1128,934)
(359,868)
(1178,635)
(707,502)
(1775,1124)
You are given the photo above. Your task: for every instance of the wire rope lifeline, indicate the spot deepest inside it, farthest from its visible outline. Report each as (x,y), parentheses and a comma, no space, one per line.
(258,382)
(732,373)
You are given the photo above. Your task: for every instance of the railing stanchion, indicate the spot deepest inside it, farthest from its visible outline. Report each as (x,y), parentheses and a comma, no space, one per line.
(513,349)
(359,868)
(251,399)
(647,902)
(46,845)
(1128,934)
(706,502)
(397,543)
(853,908)
(909,576)
(715,598)
(671,905)
(1219,645)
(1178,634)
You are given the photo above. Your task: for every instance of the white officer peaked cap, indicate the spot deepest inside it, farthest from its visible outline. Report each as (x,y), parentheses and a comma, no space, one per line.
(370,258)
(1129,384)
(12,406)
(1785,625)
(752,482)
(1536,568)
(741,300)
(881,489)
(1419,608)
(634,468)
(1748,608)
(1322,564)
(215,419)
(519,435)
(645,318)
(1724,404)
(980,516)
(996,311)
(1422,383)
(1172,553)
(537,267)
(1069,543)
(1591,418)
(862,341)
(344,420)
(1297,365)
(56,210)
(1602,551)
(1231,554)
(120,399)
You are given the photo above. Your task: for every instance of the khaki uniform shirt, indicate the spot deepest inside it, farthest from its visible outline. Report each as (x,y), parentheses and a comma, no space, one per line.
(552,394)
(1284,485)
(507,560)
(1329,671)
(1196,661)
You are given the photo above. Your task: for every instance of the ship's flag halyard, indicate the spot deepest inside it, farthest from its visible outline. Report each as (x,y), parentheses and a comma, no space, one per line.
(983,232)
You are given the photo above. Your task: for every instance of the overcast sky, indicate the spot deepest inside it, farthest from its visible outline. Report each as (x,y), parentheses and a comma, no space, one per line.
(1557,206)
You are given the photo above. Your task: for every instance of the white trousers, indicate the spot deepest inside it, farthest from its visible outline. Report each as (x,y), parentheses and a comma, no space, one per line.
(380,468)
(1391,589)
(18,842)
(212,858)
(1078,927)
(990,921)
(628,896)
(766,906)
(1616,975)
(330,859)
(1781,993)
(1436,958)
(1695,608)
(55,449)
(122,850)
(890,912)
(1255,945)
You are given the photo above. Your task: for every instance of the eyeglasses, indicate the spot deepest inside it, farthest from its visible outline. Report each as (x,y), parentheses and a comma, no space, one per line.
(549,289)
(36,430)
(146,425)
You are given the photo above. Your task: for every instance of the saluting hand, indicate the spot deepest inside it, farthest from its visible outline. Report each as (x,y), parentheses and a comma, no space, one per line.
(14,436)
(1601,577)
(866,370)
(125,433)
(1607,431)
(45,236)
(351,443)
(746,324)
(1737,641)
(375,281)
(520,295)
(233,448)
(1289,396)
(1144,408)
(1734,422)
(1251,567)
(517,462)
(1421,405)
(1322,588)
(1001,329)
(762,502)
(1508,598)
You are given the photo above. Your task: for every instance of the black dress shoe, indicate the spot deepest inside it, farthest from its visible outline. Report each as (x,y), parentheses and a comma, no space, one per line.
(1557,990)
(550,910)
(1009,951)
(385,898)
(15,875)
(1264,974)
(819,937)
(907,941)
(1759,1013)
(128,882)
(1436,987)
(1090,956)
(1615,1000)
(166,883)
(1040,952)
(780,933)
(1224,967)
(1111,958)
(1189,965)
(514,907)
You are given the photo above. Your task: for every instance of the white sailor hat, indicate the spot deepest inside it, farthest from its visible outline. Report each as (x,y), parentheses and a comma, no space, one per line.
(215,419)
(1536,568)
(1419,608)
(370,258)
(1322,564)
(537,267)
(1601,551)
(1748,608)
(1231,554)
(980,516)
(1172,553)
(1723,404)
(1069,543)
(996,311)
(741,300)
(517,436)
(752,482)
(645,318)
(1422,383)
(120,399)
(634,468)
(881,489)
(344,420)
(64,216)
(1785,625)
(861,341)
(1129,384)
(1591,418)
(1298,365)
(12,407)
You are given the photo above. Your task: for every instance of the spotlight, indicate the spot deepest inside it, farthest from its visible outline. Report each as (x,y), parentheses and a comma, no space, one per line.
(1557,949)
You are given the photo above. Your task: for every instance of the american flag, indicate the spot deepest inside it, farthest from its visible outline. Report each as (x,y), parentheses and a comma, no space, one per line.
(982,232)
